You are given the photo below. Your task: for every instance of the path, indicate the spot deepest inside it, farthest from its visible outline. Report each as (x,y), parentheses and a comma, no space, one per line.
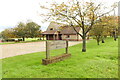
(10,50)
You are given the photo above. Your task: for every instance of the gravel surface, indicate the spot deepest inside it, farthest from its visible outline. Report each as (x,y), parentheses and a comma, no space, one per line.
(10,50)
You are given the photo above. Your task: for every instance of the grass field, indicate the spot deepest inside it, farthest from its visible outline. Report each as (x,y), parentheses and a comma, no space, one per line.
(26,41)
(98,62)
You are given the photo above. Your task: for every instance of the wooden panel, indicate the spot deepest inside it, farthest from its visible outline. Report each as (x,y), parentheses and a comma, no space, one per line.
(56,44)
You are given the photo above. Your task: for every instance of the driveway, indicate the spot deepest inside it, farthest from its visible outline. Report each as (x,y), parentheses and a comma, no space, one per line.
(10,50)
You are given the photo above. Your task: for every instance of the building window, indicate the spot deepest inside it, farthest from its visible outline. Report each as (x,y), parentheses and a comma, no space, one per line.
(51,28)
(68,36)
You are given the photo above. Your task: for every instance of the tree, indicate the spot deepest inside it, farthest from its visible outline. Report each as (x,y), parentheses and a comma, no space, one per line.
(21,30)
(83,14)
(99,31)
(33,29)
(112,23)
(7,33)
(29,29)
(39,34)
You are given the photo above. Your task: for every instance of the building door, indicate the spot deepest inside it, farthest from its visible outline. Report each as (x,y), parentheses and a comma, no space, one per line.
(60,36)
(51,37)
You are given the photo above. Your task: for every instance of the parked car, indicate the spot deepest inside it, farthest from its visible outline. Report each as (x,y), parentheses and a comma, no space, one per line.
(12,40)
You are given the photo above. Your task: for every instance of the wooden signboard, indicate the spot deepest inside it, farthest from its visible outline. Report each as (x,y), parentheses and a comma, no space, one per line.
(50,45)
(56,44)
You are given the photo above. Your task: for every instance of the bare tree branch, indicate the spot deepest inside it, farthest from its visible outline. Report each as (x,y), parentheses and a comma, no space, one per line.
(76,30)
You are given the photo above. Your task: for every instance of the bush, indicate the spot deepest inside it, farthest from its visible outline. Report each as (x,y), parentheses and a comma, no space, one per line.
(11,40)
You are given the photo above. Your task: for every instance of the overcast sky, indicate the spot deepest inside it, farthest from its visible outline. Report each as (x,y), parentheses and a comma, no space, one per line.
(14,11)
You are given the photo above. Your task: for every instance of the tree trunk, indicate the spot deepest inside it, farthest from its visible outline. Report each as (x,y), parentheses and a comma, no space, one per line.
(103,41)
(23,38)
(84,44)
(98,39)
(43,37)
(98,42)
(115,37)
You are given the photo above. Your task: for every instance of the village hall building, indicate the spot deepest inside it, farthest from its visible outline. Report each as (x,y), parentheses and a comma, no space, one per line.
(58,31)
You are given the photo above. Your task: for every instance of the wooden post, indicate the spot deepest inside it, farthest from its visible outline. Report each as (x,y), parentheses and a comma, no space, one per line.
(54,36)
(66,47)
(48,37)
(40,37)
(43,37)
(57,37)
(47,50)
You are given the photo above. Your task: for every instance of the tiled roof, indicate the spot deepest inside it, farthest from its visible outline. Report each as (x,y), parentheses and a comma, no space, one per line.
(69,30)
(64,30)
(49,32)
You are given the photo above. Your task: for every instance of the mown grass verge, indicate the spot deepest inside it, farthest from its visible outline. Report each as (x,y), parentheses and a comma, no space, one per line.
(100,61)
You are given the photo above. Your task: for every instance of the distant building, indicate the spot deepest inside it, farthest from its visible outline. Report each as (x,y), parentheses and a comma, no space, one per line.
(57,31)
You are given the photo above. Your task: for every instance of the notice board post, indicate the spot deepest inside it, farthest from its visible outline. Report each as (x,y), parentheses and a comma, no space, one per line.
(50,45)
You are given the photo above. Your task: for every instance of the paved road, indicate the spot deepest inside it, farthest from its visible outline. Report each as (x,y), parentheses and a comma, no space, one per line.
(10,50)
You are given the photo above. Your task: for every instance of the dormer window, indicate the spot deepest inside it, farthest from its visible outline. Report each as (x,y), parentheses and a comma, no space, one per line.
(51,28)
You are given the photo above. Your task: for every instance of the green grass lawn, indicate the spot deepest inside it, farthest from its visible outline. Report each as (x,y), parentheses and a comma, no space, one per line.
(98,62)
(26,41)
